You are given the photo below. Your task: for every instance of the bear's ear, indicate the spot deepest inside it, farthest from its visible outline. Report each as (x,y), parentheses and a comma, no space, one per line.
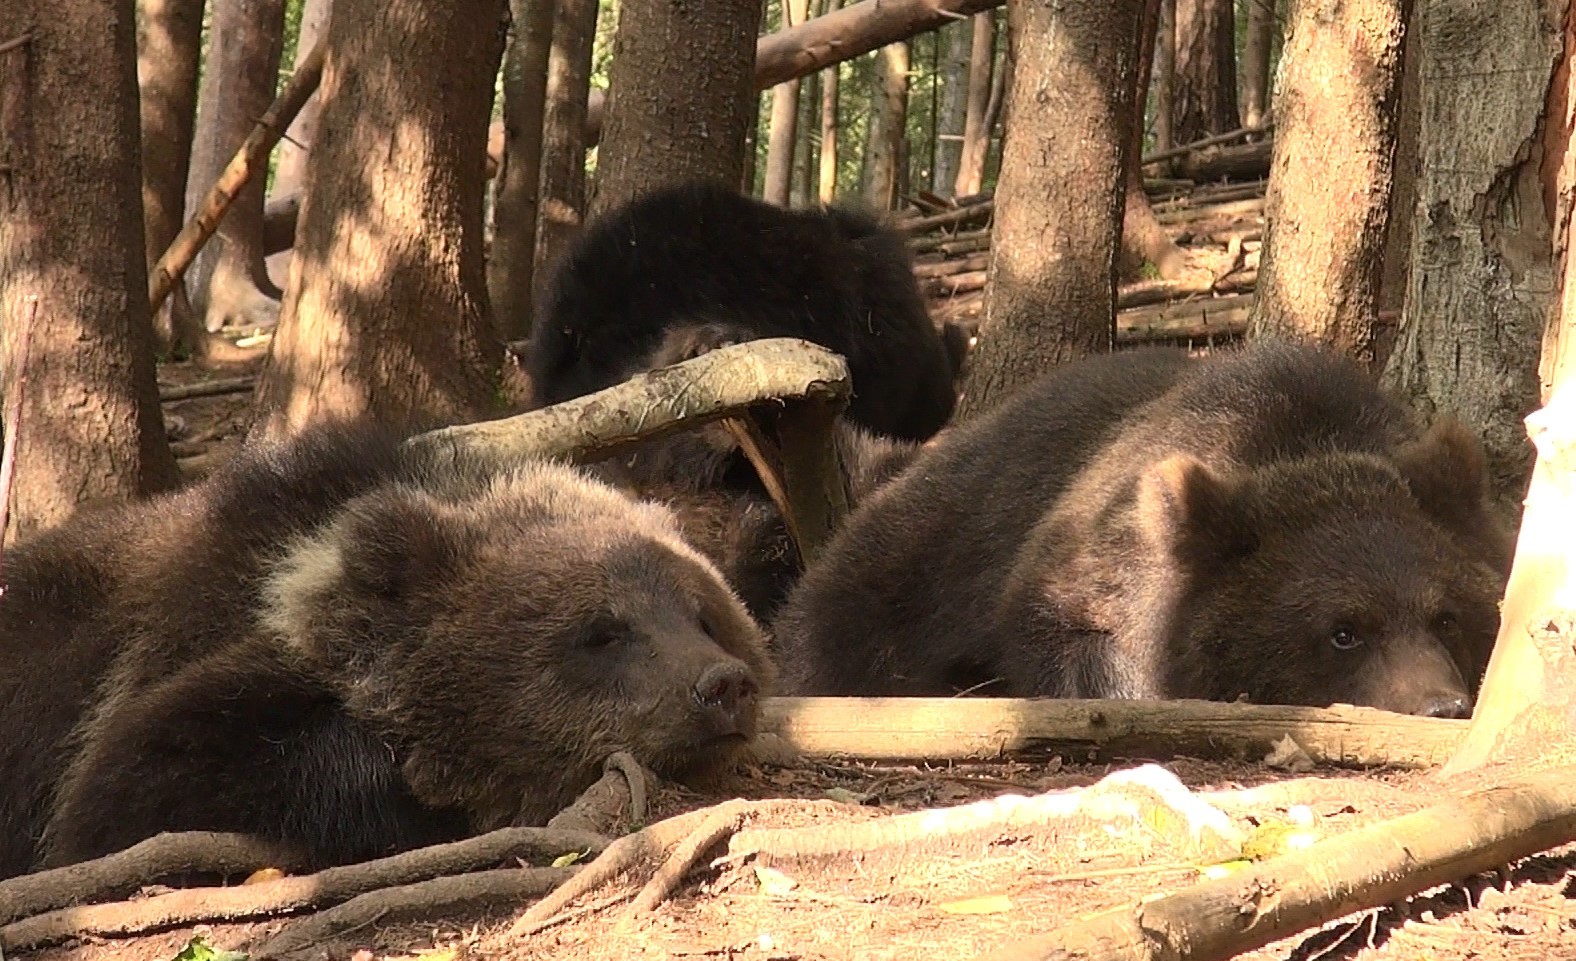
(1193,513)
(1446,472)
(395,541)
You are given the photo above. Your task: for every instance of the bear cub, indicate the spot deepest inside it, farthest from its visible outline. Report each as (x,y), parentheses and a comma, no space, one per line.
(347,647)
(1261,524)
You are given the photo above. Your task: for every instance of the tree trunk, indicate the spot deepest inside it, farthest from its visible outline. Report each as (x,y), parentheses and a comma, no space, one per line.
(805,164)
(1480,283)
(976,132)
(829,91)
(562,204)
(167,74)
(888,124)
(670,118)
(1204,86)
(1258,39)
(783,134)
(1165,74)
(387,312)
(514,207)
(1329,191)
(290,165)
(1527,704)
(88,424)
(958,43)
(1051,293)
(1403,195)
(228,282)
(1144,241)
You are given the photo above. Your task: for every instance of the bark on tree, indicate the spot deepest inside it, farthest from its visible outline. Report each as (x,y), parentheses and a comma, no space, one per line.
(671,118)
(888,125)
(1481,281)
(386,315)
(87,425)
(1051,292)
(1403,195)
(1204,86)
(957,43)
(514,208)
(829,88)
(229,282)
(1329,193)
(783,132)
(1258,39)
(562,204)
(1165,68)
(290,167)
(976,131)
(806,165)
(167,75)
(1528,700)
(1144,240)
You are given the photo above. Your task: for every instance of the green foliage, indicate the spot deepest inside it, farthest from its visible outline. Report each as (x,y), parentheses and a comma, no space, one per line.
(199,950)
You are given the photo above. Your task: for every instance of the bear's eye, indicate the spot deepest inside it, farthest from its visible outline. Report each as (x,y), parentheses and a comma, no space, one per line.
(1344,639)
(706,628)
(1444,622)
(604,634)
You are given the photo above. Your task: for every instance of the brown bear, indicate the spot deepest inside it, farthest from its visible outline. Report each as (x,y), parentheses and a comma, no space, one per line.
(1261,524)
(343,646)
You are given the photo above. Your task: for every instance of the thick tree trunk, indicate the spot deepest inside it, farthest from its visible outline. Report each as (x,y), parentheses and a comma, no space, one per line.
(1481,283)
(1051,292)
(386,316)
(888,124)
(229,282)
(1527,705)
(1204,86)
(562,204)
(1165,74)
(829,89)
(514,207)
(1403,195)
(783,133)
(167,75)
(1258,39)
(1144,240)
(957,44)
(673,118)
(74,294)
(976,131)
(1329,191)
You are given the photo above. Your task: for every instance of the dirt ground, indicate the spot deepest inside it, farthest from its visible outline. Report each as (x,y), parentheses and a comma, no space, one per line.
(967,903)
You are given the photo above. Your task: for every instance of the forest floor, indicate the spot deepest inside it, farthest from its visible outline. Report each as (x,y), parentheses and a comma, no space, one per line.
(842,909)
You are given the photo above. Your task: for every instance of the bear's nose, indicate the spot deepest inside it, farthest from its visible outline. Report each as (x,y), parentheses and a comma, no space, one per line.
(726,694)
(1447,705)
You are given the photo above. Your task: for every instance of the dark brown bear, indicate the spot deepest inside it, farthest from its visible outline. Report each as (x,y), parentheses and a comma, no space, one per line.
(335,645)
(1261,524)
(703,258)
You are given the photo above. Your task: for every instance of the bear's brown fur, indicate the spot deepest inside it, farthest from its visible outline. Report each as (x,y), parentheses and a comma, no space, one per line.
(376,652)
(1262,523)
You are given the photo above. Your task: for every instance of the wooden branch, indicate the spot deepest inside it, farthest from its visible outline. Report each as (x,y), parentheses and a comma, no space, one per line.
(248,160)
(945,268)
(851,31)
(623,787)
(1367,868)
(952,244)
(952,218)
(1209,317)
(439,897)
(954,728)
(207,388)
(1233,208)
(1144,292)
(118,874)
(1235,162)
(1211,141)
(958,283)
(812,473)
(292,894)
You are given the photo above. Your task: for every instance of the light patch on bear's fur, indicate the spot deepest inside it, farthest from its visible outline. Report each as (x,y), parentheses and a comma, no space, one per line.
(312,568)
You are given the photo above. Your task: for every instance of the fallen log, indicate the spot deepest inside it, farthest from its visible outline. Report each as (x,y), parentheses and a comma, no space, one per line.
(1237,162)
(1185,320)
(1366,868)
(1233,208)
(906,728)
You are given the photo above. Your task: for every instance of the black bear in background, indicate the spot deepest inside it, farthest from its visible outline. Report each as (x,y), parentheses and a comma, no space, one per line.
(702,257)
(1262,524)
(339,645)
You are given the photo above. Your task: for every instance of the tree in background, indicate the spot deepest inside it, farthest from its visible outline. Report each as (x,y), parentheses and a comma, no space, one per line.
(888,125)
(1051,292)
(229,282)
(516,186)
(957,47)
(783,130)
(1204,86)
(78,344)
(386,312)
(561,202)
(1144,240)
(977,120)
(1258,40)
(1328,200)
(670,119)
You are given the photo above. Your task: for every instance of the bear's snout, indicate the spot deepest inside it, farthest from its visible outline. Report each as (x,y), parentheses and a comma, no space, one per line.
(728,696)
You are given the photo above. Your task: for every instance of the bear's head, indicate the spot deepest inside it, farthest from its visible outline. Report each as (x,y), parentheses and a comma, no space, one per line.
(505,639)
(1336,578)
